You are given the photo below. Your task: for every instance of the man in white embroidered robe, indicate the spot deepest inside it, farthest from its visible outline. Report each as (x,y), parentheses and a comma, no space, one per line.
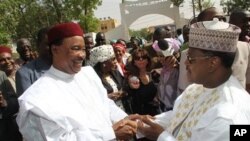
(206,109)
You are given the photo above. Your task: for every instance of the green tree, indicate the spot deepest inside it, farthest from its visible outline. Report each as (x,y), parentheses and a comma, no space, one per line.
(230,5)
(177,2)
(23,18)
(200,5)
(143,33)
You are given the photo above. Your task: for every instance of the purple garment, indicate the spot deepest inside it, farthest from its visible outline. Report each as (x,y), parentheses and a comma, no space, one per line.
(167,87)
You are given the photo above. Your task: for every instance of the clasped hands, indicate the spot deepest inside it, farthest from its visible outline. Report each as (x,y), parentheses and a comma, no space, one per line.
(127,128)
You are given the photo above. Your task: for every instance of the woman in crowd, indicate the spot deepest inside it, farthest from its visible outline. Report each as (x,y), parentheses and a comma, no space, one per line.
(121,58)
(7,65)
(141,88)
(103,60)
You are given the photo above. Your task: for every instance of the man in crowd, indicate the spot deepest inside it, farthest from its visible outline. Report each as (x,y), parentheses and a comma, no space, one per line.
(241,67)
(69,101)
(100,39)
(89,44)
(241,18)
(24,51)
(216,100)
(30,72)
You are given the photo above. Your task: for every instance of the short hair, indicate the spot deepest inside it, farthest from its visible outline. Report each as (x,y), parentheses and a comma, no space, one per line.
(227,58)
(56,42)
(41,34)
(179,31)
(236,15)
(159,33)
(203,14)
(20,41)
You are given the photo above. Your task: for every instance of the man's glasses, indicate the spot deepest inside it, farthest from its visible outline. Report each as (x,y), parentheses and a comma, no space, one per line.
(192,59)
(140,57)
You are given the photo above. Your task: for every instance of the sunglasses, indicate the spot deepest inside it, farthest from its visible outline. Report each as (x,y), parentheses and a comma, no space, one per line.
(141,57)
(221,18)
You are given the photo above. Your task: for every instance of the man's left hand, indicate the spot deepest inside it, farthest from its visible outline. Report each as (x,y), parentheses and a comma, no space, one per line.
(150,129)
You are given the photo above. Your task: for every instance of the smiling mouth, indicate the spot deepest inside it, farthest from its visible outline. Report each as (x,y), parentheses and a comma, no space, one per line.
(78,61)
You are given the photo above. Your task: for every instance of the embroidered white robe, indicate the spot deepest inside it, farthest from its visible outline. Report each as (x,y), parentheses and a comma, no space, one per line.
(202,114)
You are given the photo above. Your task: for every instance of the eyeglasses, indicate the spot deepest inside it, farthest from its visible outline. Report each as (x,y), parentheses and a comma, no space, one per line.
(140,57)
(192,59)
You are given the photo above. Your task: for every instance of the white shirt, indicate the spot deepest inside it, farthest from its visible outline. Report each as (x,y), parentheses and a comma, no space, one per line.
(232,107)
(183,81)
(65,107)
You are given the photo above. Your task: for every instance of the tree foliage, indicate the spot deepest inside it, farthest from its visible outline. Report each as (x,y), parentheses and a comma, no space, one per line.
(23,18)
(177,2)
(143,33)
(202,4)
(231,5)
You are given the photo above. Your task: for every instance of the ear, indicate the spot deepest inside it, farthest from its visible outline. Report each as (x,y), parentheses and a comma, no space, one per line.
(54,49)
(214,64)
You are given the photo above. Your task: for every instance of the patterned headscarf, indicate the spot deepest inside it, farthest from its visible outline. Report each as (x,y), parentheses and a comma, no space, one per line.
(100,54)
(120,46)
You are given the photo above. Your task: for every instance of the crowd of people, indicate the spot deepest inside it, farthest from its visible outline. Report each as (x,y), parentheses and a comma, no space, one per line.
(187,86)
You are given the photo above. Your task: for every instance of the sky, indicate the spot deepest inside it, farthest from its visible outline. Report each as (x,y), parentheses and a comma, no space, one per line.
(110,8)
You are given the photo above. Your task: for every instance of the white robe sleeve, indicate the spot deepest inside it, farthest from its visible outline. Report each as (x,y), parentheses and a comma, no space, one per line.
(35,128)
(163,119)
(218,130)
(116,113)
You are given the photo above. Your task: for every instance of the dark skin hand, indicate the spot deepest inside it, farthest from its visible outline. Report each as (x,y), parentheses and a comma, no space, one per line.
(170,61)
(3,102)
(115,95)
(125,129)
(151,130)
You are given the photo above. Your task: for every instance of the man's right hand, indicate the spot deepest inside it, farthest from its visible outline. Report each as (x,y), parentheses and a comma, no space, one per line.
(125,129)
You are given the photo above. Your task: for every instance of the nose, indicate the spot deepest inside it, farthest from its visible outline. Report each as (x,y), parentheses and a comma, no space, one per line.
(186,62)
(82,54)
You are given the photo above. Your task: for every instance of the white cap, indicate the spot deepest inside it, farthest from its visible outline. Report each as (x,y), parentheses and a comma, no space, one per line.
(214,35)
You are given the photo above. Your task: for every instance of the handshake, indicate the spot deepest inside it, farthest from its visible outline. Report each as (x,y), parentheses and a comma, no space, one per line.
(132,125)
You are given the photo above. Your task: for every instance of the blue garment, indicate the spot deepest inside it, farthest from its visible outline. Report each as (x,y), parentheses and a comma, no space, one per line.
(29,73)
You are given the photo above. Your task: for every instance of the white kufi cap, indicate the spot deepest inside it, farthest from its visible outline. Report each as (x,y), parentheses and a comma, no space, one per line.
(214,35)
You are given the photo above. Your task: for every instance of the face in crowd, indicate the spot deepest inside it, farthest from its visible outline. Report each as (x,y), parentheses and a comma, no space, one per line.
(119,50)
(141,59)
(89,44)
(110,64)
(210,13)
(69,56)
(24,49)
(241,18)
(7,63)
(100,39)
